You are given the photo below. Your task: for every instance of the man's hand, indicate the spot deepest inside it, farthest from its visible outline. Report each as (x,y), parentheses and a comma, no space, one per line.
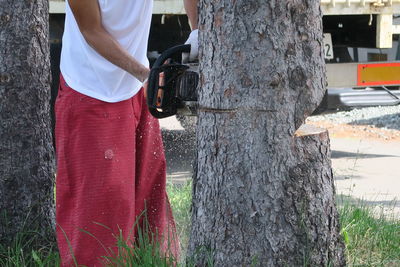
(87,15)
(145,85)
(193,40)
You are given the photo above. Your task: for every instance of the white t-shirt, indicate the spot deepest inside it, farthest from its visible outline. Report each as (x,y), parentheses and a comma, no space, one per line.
(86,71)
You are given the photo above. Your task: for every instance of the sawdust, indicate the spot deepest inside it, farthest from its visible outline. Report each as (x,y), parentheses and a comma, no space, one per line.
(357,131)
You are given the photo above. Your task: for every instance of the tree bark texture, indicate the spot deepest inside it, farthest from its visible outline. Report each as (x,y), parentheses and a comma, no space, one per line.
(27,164)
(262,196)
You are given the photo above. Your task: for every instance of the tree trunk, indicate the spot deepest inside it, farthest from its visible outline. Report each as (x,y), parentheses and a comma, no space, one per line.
(310,195)
(26,153)
(262,73)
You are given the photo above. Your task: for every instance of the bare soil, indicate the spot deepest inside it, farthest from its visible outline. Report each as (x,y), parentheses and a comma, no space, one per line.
(357,131)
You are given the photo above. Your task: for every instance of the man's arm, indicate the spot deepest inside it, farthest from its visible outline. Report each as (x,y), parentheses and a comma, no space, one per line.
(87,15)
(191,11)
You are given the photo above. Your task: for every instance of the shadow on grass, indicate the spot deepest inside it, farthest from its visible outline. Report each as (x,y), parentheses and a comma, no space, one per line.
(21,254)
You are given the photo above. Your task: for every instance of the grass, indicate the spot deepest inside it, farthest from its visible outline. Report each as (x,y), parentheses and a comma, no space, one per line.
(370,240)
(180,197)
(20,254)
(145,252)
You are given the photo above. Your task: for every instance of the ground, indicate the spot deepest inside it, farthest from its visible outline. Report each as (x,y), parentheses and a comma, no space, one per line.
(366,164)
(365,161)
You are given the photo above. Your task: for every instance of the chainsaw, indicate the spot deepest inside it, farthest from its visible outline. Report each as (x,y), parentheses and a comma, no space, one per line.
(172,85)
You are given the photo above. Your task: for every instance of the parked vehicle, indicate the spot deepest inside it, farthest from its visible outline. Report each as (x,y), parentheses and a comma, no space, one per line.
(364,66)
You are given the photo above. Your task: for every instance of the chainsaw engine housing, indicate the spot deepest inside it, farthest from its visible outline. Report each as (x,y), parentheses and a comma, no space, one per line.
(172,86)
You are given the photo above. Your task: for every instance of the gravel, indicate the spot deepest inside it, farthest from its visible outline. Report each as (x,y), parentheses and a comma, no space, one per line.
(385,117)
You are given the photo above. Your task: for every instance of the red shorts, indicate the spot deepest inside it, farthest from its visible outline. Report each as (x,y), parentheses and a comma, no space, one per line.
(110,172)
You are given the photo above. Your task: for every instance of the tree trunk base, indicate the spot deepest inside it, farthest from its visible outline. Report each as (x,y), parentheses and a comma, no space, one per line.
(303,231)
(310,188)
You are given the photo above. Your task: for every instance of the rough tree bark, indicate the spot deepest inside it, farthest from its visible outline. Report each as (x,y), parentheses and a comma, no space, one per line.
(26,154)
(262,196)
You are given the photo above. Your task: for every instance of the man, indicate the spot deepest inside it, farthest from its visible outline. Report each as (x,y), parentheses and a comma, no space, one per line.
(111,164)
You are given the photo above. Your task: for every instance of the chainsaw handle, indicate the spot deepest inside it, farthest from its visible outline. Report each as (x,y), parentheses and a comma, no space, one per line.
(170,52)
(153,80)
